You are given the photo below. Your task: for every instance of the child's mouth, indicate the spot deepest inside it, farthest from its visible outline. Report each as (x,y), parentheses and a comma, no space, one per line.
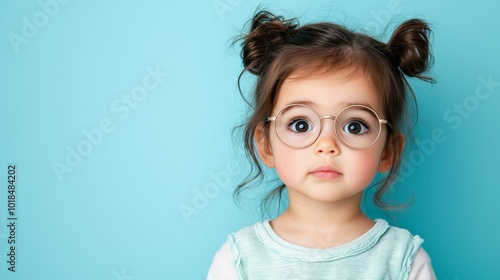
(325,172)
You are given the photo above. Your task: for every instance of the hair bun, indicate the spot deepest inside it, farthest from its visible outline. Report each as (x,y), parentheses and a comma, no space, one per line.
(267,33)
(409,47)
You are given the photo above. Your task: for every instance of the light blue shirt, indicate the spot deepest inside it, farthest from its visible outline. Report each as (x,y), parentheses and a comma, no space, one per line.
(383,252)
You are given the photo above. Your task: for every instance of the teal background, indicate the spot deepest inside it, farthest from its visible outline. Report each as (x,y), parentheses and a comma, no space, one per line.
(117,213)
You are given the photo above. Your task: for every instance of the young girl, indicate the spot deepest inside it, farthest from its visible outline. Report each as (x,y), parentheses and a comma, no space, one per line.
(329,113)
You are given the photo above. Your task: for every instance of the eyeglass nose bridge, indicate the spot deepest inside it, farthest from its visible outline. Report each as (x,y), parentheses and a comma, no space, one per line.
(327,117)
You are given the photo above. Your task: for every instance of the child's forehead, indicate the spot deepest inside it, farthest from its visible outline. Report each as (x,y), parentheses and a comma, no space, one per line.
(304,82)
(327,90)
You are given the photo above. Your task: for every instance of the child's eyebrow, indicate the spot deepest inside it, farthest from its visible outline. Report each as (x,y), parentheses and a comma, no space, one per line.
(346,104)
(340,105)
(302,102)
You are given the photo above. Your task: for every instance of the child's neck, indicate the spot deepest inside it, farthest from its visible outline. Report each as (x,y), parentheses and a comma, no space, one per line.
(321,225)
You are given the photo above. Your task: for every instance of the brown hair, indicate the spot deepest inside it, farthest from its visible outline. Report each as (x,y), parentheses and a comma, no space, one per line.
(276,47)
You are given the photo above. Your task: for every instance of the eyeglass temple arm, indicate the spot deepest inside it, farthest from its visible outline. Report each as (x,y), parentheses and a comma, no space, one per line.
(387,123)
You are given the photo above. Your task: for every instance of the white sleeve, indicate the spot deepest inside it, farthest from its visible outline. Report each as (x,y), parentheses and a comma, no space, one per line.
(222,265)
(421,268)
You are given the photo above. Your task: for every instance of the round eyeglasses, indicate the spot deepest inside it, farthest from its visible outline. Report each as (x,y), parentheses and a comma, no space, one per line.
(356,126)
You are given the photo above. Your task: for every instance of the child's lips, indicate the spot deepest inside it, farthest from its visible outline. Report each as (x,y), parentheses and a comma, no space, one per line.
(325,172)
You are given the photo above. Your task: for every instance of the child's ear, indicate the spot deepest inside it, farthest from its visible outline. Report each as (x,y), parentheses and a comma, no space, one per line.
(263,147)
(392,151)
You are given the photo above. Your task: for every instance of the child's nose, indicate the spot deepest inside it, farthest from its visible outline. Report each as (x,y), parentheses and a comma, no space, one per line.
(327,142)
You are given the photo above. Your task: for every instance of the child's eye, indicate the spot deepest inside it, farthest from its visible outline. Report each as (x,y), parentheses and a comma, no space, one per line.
(355,127)
(300,126)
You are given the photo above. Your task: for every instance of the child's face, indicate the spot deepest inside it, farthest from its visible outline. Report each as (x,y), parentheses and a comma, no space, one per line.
(327,170)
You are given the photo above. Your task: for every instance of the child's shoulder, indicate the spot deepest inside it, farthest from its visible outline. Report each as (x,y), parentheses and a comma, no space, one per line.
(397,233)
(397,243)
(249,232)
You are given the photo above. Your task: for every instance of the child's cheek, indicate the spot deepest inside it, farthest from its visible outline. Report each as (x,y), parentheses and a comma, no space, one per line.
(289,165)
(362,169)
